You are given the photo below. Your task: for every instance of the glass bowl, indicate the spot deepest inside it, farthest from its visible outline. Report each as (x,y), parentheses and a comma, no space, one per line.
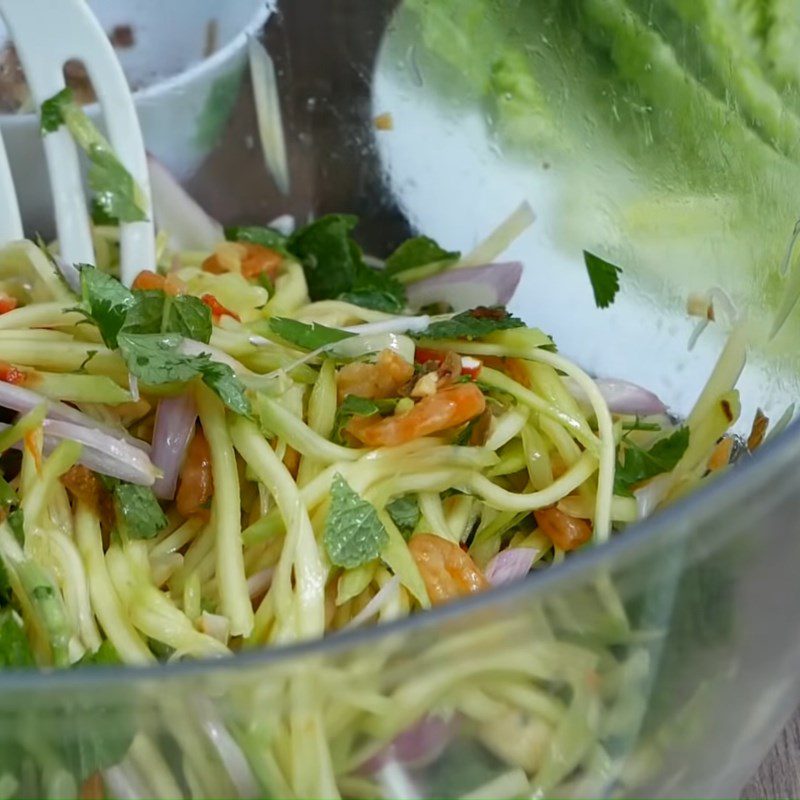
(662,664)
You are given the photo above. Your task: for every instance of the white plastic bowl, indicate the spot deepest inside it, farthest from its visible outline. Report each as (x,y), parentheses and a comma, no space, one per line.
(184,100)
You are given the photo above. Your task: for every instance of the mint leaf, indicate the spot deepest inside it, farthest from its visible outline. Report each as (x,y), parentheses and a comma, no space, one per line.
(146,313)
(105,655)
(99,215)
(15,651)
(472,324)
(222,379)
(309,337)
(604,278)
(330,258)
(418,252)
(640,465)
(116,194)
(139,514)
(373,288)
(405,513)
(353,533)
(352,406)
(190,317)
(154,311)
(154,358)
(252,234)
(105,302)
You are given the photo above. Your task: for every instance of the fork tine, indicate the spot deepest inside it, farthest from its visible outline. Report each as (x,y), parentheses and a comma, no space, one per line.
(10,221)
(38,28)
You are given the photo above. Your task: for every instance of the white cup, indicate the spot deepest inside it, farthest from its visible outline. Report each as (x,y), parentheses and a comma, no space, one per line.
(185,99)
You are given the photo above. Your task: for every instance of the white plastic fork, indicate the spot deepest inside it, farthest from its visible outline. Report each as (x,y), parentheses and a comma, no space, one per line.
(47,34)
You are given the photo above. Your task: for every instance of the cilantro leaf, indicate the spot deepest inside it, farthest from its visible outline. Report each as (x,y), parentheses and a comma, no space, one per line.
(309,337)
(105,302)
(222,379)
(51,118)
(254,234)
(405,513)
(418,252)
(352,406)
(116,194)
(138,512)
(472,324)
(330,258)
(15,651)
(353,533)
(105,655)
(154,358)
(373,288)
(604,278)
(640,465)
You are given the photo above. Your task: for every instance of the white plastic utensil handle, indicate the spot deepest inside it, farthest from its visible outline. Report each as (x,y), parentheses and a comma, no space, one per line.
(10,222)
(47,34)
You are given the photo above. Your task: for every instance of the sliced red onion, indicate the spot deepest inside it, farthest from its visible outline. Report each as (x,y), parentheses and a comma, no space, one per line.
(21,399)
(101,453)
(622,397)
(284,224)
(383,596)
(258,583)
(174,425)
(417,746)
(462,289)
(510,565)
(177,213)
(651,495)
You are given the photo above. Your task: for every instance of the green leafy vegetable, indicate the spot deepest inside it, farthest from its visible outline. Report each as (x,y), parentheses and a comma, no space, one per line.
(418,252)
(16,521)
(105,302)
(15,651)
(8,497)
(138,513)
(330,258)
(116,194)
(353,533)
(405,513)
(154,358)
(252,234)
(334,266)
(105,655)
(154,311)
(471,324)
(5,586)
(352,406)
(641,465)
(309,337)
(222,380)
(604,278)
(373,288)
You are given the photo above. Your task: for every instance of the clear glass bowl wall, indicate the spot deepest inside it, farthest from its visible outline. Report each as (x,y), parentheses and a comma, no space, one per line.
(662,664)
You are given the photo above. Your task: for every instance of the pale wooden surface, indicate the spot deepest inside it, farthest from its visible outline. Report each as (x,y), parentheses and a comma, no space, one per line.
(779,775)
